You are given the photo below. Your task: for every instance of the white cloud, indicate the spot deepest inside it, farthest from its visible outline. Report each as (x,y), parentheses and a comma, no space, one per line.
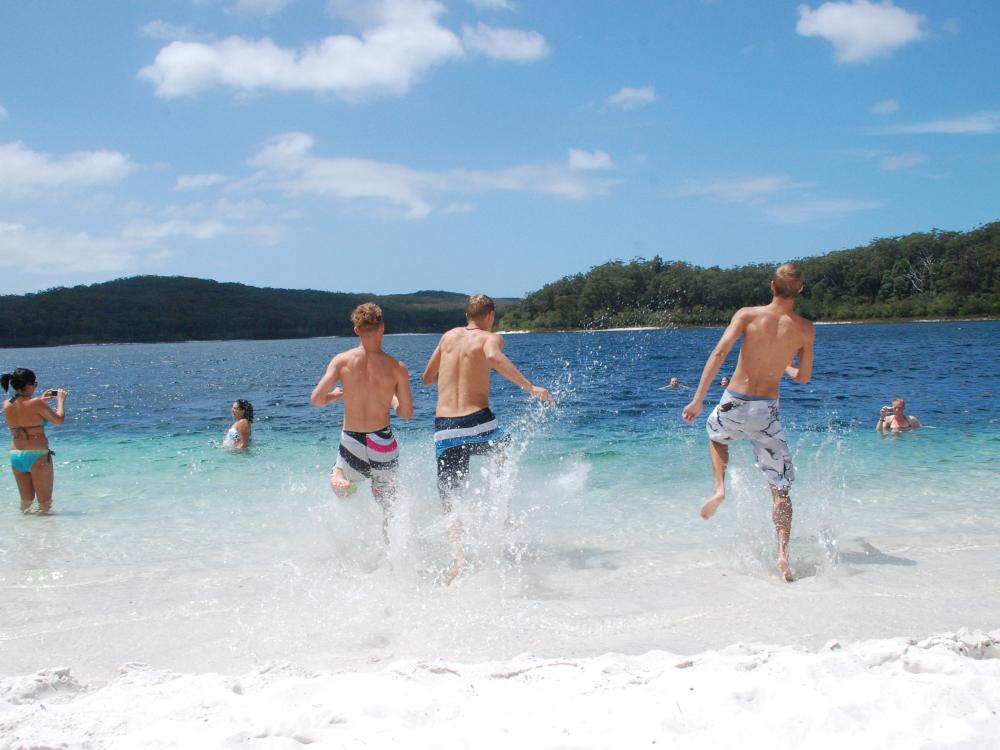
(951,26)
(286,163)
(984,123)
(198,181)
(26,172)
(399,41)
(3,113)
(493,4)
(460,208)
(812,210)
(402,41)
(886,107)
(262,7)
(861,30)
(171,32)
(583,160)
(512,45)
(52,252)
(903,161)
(741,190)
(632,98)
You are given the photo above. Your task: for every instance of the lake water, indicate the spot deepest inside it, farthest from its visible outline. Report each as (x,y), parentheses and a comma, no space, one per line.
(169,550)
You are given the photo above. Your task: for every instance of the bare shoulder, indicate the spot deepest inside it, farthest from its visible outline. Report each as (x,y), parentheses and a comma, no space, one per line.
(806,325)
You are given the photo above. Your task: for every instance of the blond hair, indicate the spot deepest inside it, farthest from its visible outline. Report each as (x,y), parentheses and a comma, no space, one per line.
(787,281)
(478,306)
(367,317)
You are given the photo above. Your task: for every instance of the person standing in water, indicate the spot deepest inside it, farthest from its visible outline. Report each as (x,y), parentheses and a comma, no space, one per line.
(238,435)
(464,425)
(774,337)
(30,457)
(895,419)
(372,383)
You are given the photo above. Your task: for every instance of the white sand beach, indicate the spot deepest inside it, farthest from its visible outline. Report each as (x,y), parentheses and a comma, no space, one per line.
(939,692)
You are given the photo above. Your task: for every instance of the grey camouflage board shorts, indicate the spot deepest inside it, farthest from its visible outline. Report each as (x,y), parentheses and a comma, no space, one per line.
(738,416)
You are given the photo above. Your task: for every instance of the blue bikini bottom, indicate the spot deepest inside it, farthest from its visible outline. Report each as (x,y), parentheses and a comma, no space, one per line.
(24,460)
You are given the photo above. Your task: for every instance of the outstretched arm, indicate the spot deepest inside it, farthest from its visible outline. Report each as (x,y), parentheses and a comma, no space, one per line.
(802,372)
(55,416)
(324,393)
(737,326)
(403,398)
(433,365)
(493,349)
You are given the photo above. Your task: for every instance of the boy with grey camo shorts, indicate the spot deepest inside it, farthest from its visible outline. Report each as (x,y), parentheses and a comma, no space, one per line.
(755,417)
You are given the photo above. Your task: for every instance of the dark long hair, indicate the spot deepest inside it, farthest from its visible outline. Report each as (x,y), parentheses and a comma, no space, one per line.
(246,407)
(21,377)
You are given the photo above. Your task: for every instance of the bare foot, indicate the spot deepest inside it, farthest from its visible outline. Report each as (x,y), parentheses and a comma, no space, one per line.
(341,485)
(785,569)
(712,504)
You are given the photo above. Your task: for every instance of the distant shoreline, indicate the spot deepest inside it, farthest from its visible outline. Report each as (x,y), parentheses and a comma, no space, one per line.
(723,325)
(515,332)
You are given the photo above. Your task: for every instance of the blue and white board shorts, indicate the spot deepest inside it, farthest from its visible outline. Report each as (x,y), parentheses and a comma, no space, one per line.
(755,417)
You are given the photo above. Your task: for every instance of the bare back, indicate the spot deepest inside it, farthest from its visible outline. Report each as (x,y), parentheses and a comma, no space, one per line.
(370,380)
(24,417)
(463,377)
(771,339)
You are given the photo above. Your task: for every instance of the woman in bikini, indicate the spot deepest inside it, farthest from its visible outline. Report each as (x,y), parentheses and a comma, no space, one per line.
(30,457)
(894,418)
(238,436)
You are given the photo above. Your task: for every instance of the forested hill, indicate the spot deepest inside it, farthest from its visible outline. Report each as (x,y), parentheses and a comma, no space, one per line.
(934,274)
(157,308)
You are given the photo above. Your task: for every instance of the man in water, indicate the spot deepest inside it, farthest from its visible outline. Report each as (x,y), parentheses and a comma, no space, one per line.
(373,382)
(895,419)
(773,337)
(464,426)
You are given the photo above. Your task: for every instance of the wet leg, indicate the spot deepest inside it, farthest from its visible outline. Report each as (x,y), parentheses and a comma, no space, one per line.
(719,453)
(25,489)
(452,468)
(782,518)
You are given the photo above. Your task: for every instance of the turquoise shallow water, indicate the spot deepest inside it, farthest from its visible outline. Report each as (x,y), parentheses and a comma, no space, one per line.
(170,550)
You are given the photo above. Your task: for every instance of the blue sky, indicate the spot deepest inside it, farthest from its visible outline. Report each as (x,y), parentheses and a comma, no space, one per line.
(482,145)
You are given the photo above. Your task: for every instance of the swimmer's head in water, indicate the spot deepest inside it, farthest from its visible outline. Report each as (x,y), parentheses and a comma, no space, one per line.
(20,378)
(245,407)
(898,404)
(367,317)
(479,306)
(787,281)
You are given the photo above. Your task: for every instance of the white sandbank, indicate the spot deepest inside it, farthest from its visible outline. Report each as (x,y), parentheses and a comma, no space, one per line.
(940,692)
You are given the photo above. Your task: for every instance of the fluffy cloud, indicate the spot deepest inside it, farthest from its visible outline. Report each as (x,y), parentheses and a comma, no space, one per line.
(511,45)
(198,181)
(741,190)
(26,172)
(52,252)
(902,161)
(886,107)
(3,113)
(632,98)
(861,30)
(589,159)
(286,163)
(984,123)
(400,40)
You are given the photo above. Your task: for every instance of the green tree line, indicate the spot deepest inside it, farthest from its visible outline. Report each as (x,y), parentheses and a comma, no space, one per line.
(929,274)
(156,308)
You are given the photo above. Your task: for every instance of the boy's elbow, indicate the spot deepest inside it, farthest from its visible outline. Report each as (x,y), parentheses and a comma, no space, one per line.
(316,400)
(405,413)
